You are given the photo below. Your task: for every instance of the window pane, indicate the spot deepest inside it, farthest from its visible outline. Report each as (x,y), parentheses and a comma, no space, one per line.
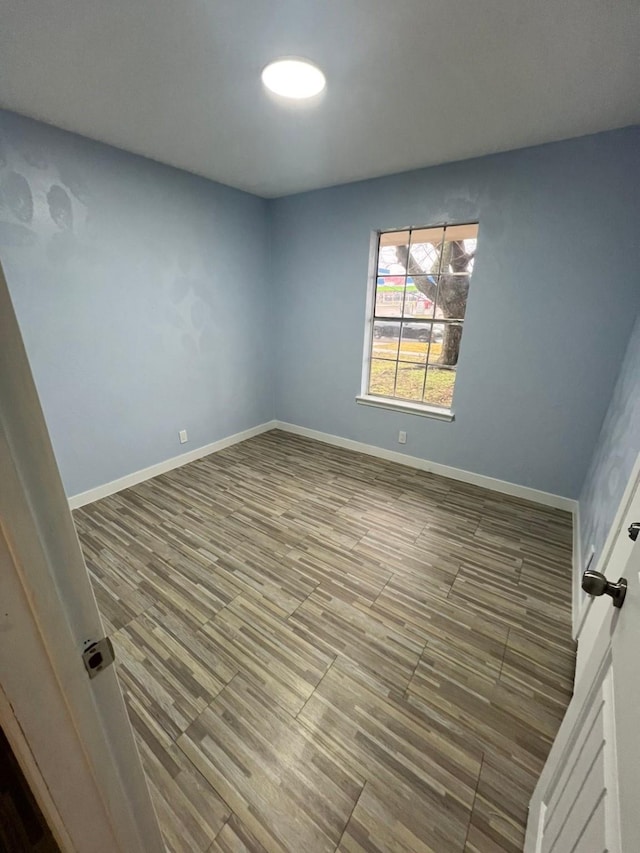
(382,377)
(447,351)
(389,296)
(426,245)
(462,232)
(420,297)
(410,381)
(457,261)
(458,249)
(453,291)
(386,337)
(437,333)
(388,261)
(414,344)
(438,390)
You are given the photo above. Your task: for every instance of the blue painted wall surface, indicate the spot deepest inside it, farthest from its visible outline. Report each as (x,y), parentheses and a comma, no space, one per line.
(152,300)
(142,294)
(551,307)
(616,452)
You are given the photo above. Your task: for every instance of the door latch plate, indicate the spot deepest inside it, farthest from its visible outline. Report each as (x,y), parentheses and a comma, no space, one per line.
(98,656)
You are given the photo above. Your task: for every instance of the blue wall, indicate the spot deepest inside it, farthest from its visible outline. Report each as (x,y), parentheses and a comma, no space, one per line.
(551,306)
(142,294)
(152,300)
(616,452)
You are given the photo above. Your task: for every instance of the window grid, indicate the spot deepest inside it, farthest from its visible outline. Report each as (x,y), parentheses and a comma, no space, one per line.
(413,270)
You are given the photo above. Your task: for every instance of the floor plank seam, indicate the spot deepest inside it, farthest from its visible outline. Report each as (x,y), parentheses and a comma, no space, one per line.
(387,582)
(195,769)
(504,654)
(304,601)
(473,804)
(415,669)
(346,826)
(311,695)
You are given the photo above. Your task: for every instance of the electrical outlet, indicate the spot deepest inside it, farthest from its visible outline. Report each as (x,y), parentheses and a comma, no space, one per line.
(402,437)
(183,436)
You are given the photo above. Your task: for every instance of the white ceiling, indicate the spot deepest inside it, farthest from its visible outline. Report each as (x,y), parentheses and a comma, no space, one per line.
(409,82)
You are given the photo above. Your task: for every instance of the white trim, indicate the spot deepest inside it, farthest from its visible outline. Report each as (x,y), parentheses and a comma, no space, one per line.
(28,764)
(407,408)
(502,486)
(588,691)
(581,602)
(372,277)
(577,572)
(143,474)
(613,535)
(91,767)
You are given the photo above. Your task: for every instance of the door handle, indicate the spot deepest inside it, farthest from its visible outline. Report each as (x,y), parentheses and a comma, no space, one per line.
(633,530)
(595,583)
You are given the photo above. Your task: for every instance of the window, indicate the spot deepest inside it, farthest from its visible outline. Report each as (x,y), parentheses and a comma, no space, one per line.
(418,300)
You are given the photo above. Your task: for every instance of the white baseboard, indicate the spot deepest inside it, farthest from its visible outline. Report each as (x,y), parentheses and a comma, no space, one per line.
(175,462)
(506,488)
(525,492)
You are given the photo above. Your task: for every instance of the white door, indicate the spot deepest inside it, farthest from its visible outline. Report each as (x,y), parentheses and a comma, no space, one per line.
(588,797)
(70,733)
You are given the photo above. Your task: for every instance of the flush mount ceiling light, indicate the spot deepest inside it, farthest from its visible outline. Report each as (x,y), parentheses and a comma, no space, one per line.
(293,78)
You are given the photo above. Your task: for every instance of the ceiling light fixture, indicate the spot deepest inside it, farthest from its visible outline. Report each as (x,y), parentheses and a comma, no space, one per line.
(293,78)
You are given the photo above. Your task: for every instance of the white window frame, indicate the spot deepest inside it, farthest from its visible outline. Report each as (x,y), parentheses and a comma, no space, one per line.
(391,403)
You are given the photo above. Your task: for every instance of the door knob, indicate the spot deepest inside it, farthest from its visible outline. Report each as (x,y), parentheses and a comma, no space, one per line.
(633,530)
(595,583)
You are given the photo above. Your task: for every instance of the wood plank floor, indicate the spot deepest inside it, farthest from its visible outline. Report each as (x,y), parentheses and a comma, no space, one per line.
(322,651)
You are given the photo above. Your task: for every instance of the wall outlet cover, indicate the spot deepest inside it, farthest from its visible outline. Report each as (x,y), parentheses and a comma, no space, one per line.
(402,437)
(183,436)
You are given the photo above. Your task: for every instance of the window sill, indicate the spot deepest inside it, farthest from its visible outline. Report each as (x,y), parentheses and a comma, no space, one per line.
(405,407)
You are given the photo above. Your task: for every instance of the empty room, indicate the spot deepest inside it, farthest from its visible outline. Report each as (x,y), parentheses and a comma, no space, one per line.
(319,395)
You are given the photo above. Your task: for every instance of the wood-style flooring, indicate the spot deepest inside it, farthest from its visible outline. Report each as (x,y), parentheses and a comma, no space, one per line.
(323,651)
